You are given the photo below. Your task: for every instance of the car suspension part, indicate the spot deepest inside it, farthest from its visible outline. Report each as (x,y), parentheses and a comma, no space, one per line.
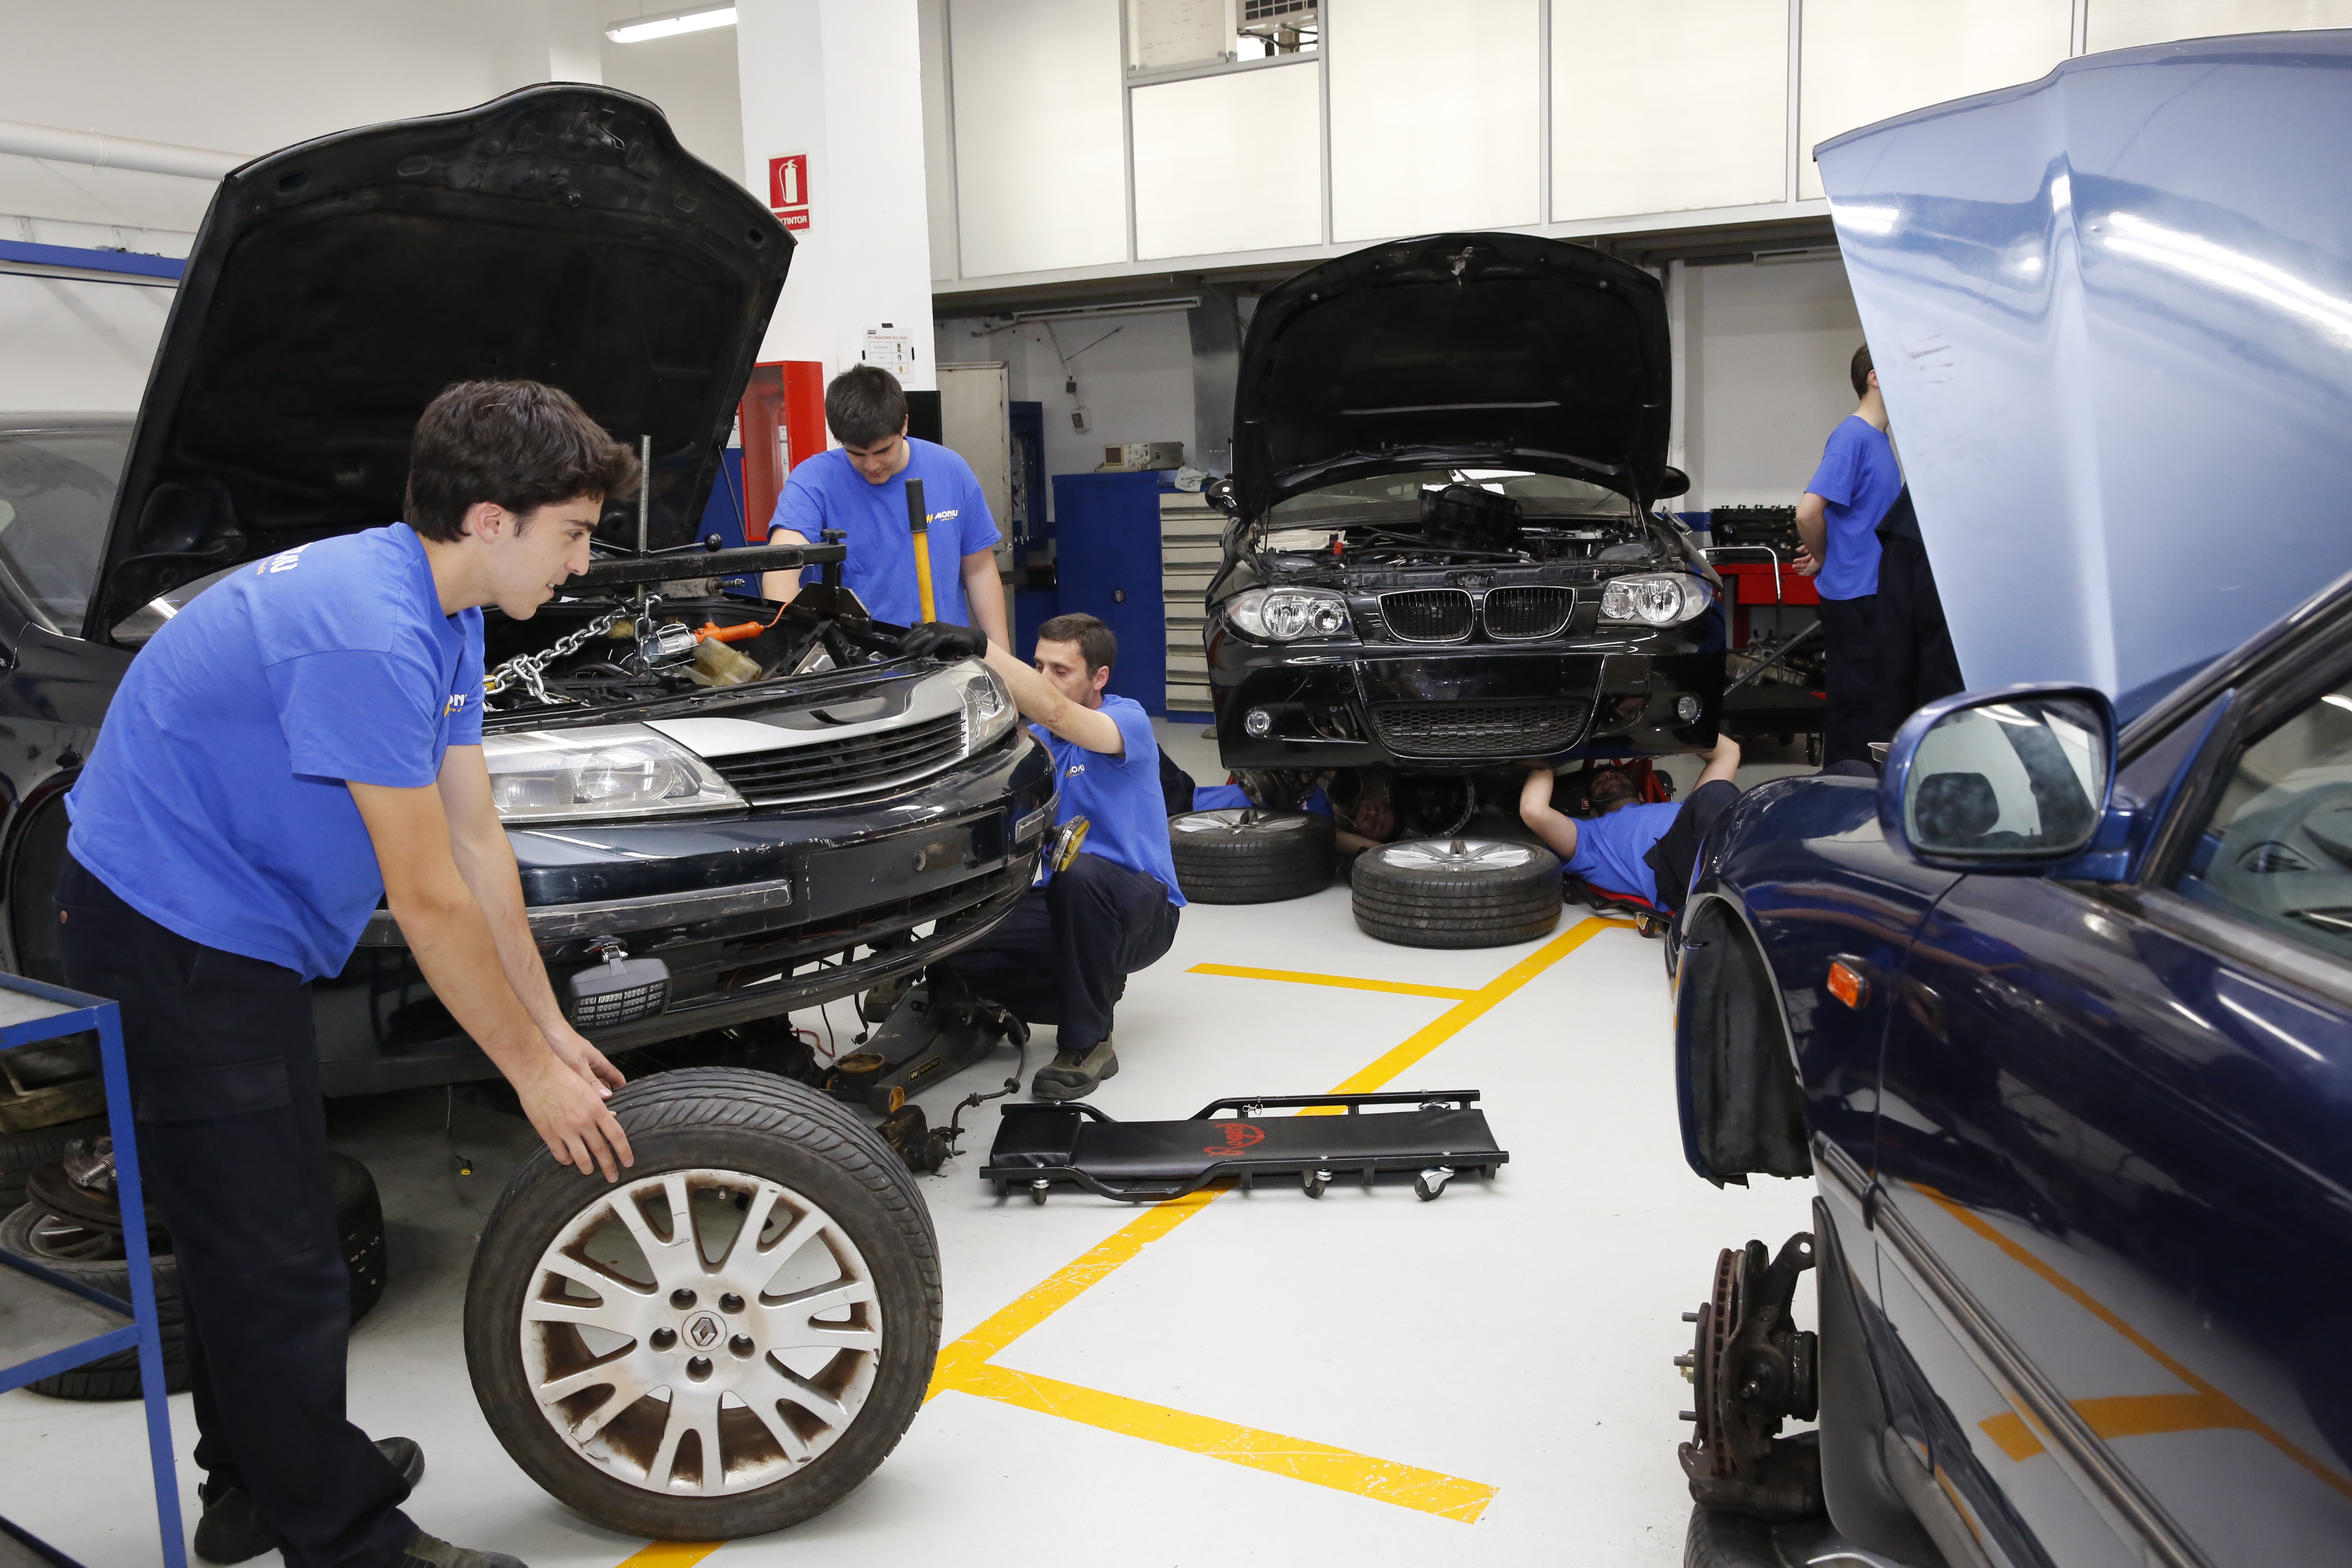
(1753,1368)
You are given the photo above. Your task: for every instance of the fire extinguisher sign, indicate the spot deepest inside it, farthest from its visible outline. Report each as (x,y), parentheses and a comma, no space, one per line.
(788,189)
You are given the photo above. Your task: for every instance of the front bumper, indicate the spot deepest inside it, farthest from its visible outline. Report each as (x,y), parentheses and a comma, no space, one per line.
(1474,706)
(754,915)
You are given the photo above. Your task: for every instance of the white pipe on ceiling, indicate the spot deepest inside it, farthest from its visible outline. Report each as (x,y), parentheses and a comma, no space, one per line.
(99,151)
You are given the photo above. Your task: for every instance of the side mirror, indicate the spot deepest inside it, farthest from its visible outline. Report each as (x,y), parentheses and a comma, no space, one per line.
(1676,483)
(2014,779)
(1218,493)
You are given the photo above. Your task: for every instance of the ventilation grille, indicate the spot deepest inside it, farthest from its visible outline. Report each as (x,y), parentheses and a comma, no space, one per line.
(1517,615)
(862,765)
(1478,729)
(1428,614)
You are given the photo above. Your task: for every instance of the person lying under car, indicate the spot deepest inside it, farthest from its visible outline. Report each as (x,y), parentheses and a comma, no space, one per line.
(1064,954)
(1630,851)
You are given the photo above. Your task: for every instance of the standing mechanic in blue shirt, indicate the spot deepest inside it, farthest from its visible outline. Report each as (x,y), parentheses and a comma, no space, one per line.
(304,738)
(860,488)
(1064,954)
(1837,518)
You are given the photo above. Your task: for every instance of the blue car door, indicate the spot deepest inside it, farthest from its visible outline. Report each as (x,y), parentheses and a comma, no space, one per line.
(2115,1165)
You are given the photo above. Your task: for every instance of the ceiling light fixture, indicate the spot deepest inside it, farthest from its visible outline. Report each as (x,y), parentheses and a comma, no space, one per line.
(670,24)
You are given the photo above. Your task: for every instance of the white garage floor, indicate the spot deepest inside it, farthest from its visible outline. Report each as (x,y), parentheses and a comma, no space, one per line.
(1258,1378)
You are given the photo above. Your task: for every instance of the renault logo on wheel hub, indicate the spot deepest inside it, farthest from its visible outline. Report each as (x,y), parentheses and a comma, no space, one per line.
(703,1330)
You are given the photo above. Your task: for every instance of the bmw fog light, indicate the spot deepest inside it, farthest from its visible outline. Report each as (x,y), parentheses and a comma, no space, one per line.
(1686,709)
(1258,724)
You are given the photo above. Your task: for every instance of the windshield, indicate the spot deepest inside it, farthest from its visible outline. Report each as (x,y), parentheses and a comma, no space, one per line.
(56,491)
(1394,499)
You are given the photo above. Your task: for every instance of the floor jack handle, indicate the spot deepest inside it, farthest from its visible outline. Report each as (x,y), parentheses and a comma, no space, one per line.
(918,522)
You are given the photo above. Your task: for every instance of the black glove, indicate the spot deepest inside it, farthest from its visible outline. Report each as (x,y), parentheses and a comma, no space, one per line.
(937,640)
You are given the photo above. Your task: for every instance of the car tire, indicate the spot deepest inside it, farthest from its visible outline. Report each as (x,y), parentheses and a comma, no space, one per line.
(1456,892)
(568,1291)
(1241,855)
(22,1154)
(67,1248)
(1719,1539)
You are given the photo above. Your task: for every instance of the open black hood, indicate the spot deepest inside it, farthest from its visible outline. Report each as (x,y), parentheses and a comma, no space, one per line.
(1497,350)
(558,233)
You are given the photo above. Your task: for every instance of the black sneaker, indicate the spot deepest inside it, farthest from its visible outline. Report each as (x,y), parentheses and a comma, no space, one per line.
(431,1552)
(232,1529)
(1074,1075)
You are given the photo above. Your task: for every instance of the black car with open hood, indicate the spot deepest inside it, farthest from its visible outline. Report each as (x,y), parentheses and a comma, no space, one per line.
(736,825)
(1446,552)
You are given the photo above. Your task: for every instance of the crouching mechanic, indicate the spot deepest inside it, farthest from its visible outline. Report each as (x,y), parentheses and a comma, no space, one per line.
(1064,954)
(1647,852)
(304,738)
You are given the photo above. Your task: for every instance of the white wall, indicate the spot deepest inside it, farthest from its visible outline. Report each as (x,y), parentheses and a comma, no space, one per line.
(2121,24)
(1229,162)
(693,77)
(1765,350)
(1041,150)
(1435,115)
(70,346)
(1136,384)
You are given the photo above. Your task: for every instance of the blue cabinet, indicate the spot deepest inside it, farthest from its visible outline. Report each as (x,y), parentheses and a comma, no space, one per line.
(1107,555)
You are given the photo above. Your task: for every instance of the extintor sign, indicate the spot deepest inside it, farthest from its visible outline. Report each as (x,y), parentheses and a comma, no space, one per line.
(788,190)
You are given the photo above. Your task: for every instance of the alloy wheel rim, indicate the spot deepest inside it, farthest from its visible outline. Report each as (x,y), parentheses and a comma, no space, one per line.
(1239,819)
(700,1332)
(1458,855)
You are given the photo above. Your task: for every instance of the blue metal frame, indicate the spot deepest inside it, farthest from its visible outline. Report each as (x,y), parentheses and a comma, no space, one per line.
(130,262)
(91,1013)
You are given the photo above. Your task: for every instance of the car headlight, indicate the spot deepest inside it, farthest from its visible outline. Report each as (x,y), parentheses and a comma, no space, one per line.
(987,709)
(606,771)
(1661,601)
(1286,615)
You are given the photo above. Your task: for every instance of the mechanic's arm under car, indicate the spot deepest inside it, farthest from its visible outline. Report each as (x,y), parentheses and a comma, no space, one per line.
(449,877)
(1557,830)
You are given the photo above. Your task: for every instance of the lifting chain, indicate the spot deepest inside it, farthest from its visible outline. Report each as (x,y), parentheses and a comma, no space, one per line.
(530,669)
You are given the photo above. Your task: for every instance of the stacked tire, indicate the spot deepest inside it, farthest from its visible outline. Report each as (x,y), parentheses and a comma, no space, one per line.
(1241,855)
(1458,892)
(87,1252)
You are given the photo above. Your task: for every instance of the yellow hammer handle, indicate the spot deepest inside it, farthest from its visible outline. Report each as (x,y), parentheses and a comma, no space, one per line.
(918,522)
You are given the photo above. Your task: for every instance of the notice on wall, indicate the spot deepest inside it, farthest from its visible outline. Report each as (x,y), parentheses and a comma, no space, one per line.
(788,190)
(892,348)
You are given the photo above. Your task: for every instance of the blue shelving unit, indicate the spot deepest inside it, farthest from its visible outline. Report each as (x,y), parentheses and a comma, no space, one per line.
(50,1324)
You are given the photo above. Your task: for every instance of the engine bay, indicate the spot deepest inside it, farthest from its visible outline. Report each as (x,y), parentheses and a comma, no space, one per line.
(1454,519)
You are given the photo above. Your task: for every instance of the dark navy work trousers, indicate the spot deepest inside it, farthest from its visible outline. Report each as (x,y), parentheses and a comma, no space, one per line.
(233,1144)
(1064,954)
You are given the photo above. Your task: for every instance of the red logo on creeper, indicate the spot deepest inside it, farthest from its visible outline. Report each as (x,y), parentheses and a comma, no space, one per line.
(1239,1135)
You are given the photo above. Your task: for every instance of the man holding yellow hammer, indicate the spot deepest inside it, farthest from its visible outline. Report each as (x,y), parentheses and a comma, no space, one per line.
(872,489)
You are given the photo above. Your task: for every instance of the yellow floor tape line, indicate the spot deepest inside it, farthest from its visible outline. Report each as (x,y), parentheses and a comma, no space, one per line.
(1318,1464)
(673,1553)
(1344,982)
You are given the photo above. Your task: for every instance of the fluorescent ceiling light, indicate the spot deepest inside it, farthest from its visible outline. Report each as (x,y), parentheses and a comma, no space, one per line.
(670,24)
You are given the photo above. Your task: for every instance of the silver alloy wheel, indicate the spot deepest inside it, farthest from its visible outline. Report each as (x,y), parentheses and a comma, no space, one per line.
(1241,819)
(671,1332)
(1456,855)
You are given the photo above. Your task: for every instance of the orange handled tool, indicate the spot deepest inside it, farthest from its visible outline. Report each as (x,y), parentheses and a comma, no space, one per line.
(918,522)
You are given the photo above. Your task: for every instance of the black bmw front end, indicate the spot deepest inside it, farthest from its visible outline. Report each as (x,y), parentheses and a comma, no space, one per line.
(1445,551)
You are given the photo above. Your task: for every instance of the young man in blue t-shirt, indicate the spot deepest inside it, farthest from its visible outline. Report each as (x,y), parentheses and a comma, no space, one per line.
(303,739)
(860,488)
(1648,852)
(1064,954)
(1837,518)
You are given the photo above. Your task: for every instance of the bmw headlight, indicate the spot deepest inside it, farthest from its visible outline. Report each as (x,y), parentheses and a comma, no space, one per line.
(1664,600)
(987,708)
(1286,615)
(606,771)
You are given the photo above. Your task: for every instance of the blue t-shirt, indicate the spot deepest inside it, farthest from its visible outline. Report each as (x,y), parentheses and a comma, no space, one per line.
(214,802)
(1858,480)
(1608,849)
(1120,796)
(827,491)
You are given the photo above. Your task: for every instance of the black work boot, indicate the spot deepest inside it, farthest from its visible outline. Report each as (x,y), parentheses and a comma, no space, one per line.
(431,1552)
(232,1529)
(1074,1075)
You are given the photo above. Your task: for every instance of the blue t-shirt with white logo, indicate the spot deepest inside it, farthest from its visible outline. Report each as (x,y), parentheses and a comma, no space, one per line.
(215,803)
(827,491)
(1858,480)
(1120,796)
(1608,849)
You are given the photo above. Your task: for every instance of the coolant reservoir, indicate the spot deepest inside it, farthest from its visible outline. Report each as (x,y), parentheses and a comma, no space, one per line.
(716,664)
